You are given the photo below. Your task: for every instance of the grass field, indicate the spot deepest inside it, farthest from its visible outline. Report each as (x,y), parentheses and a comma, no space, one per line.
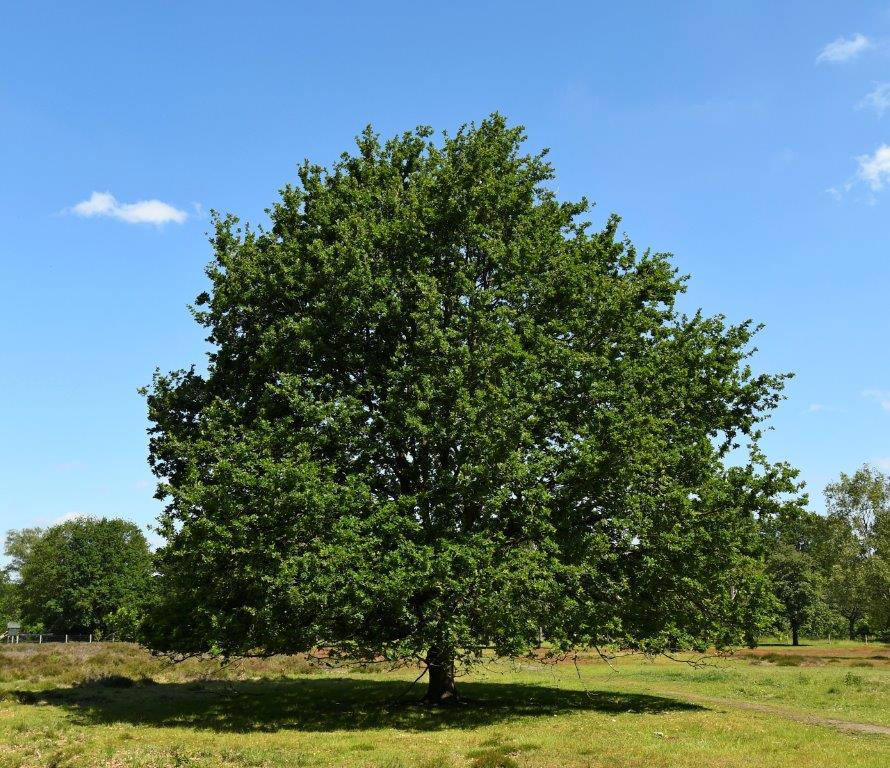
(114,705)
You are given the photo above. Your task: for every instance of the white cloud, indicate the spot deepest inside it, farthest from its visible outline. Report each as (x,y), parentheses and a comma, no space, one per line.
(823,408)
(844,48)
(875,169)
(142,212)
(883,463)
(878,99)
(880,396)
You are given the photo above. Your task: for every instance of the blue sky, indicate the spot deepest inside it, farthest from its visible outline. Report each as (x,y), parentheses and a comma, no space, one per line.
(749,139)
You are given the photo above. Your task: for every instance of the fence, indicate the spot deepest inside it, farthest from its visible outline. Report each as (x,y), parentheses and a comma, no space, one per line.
(31,637)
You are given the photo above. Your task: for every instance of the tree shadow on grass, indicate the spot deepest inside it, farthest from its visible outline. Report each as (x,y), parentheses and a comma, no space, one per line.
(314,704)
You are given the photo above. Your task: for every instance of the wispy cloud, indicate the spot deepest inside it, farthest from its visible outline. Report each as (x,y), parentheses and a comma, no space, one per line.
(142,212)
(883,463)
(880,396)
(68,517)
(874,169)
(824,408)
(878,99)
(844,48)
(69,466)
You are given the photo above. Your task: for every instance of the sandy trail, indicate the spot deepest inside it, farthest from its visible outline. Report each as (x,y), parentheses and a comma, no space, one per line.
(789,714)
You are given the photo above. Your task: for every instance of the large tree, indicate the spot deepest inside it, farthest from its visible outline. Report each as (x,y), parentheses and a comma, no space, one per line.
(76,576)
(440,414)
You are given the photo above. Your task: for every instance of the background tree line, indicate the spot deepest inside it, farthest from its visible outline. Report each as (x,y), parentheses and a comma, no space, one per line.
(823,575)
(86,575)
(830,574)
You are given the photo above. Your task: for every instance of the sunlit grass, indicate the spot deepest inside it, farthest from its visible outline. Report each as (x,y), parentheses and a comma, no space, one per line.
(114,705)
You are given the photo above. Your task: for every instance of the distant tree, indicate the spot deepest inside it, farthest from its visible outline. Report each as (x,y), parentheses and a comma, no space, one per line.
(849,588)
(441,414)
(862,500)
(879,593)
(824,621)
(859,517)
(796,585)
(79,574)
(761,610)
(9,610)
(18,546)
(782,522)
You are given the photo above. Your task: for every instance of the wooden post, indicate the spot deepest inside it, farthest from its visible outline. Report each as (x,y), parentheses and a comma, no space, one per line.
(40,640)
(91,637)
(66,638)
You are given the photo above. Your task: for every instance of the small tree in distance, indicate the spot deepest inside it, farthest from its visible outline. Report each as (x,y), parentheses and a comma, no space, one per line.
(440,414)
(796,585)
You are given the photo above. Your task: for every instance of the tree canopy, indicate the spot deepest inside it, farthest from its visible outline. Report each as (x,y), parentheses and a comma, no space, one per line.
(82,575)
(441,413)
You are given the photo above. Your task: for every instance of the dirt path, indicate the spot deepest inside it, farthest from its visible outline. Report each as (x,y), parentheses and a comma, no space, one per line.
(808,718)
(788,714)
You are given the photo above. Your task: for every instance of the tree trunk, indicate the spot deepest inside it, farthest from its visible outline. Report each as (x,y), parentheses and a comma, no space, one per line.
(794,634)
(852,623)
(440,668)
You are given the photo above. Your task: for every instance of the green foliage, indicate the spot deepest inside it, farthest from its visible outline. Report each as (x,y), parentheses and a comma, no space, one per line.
(18,546)
(125,622)
(79,576)
(862,501)
(858,582)
(796,585)
(830,572)
(9,610)
(441,412)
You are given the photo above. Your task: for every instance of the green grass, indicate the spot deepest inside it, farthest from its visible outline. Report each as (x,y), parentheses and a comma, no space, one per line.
(114,705)
(843,690)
